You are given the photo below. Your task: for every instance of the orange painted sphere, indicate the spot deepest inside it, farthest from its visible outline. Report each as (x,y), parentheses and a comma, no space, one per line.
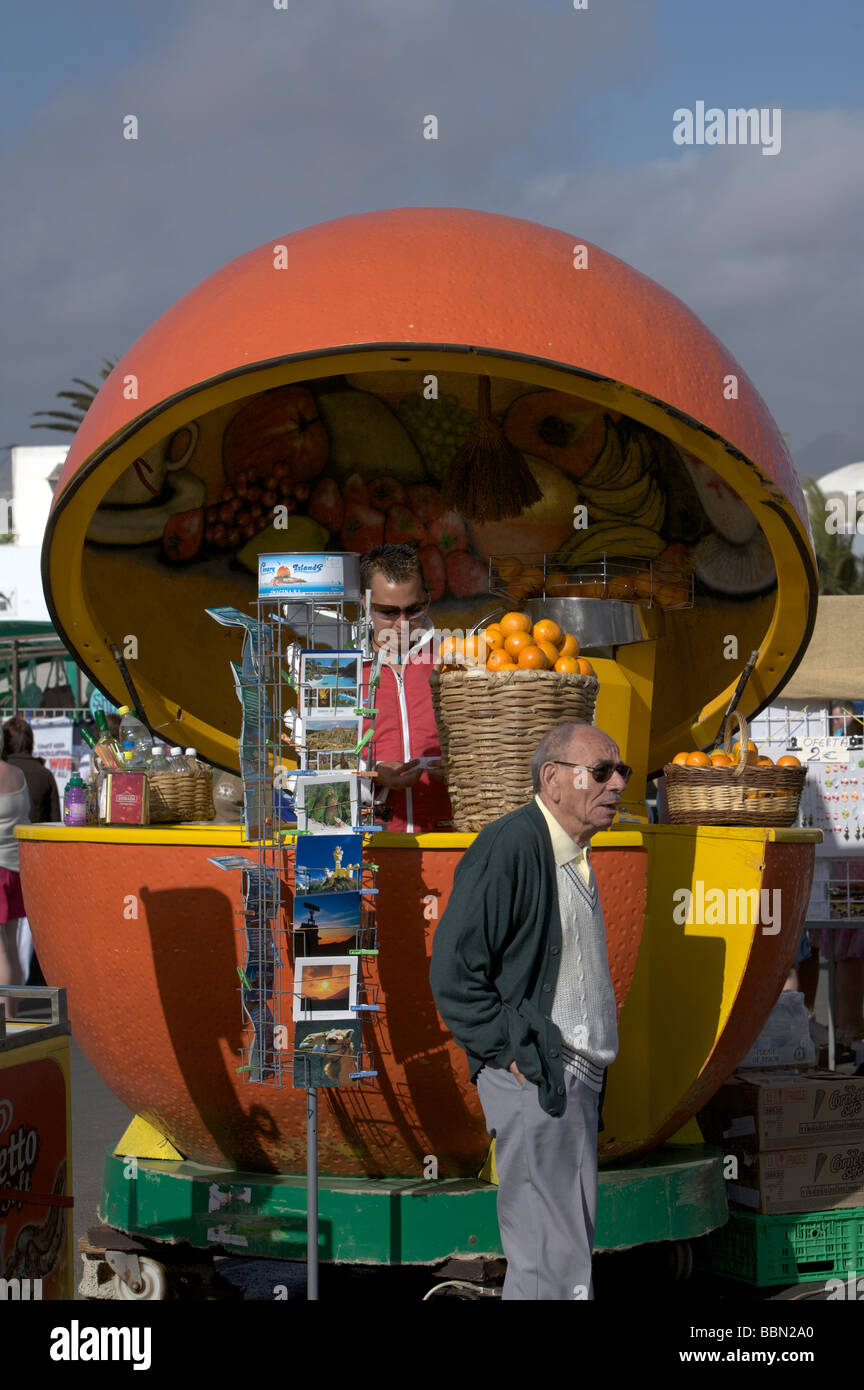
(154,1003)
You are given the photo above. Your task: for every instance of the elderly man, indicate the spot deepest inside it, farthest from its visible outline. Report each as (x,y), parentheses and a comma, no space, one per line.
(520,975)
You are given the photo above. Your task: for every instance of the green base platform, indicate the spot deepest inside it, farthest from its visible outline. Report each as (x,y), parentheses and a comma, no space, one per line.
(676,1193)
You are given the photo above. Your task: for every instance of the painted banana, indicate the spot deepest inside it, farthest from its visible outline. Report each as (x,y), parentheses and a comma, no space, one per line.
(624,538)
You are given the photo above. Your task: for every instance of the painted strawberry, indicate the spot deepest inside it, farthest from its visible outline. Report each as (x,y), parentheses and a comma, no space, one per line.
(426,502)
(355,490)
(363,528)
(447,532)
(434,571)
(326,505)
(385,493)
(466,575)
(403,527)
(183,534)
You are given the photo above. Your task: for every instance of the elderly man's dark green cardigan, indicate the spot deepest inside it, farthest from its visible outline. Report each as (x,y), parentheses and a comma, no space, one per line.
(497,950)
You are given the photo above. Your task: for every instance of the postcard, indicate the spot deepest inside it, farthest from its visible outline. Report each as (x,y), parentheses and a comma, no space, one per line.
(329,683)
(326,1056)
(327,802)
(326,924)
(331,865)
(328,745)
(324,987)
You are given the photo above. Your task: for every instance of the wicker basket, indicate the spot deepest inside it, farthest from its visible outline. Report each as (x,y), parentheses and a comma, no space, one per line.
(740,795)
(490,723)
(176,797)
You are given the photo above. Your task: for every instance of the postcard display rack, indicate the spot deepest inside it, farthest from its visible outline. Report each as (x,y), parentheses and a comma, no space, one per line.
(302,751)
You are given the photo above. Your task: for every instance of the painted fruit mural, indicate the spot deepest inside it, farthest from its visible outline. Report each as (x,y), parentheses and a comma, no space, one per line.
(331,465)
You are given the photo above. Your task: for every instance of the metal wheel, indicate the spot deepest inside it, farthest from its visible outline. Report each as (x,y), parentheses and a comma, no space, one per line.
(461,1288)
(153,1284)
(683,1261)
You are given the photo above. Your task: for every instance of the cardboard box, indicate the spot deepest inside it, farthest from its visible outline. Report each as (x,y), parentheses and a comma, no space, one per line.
(785,1110)
(791,1180)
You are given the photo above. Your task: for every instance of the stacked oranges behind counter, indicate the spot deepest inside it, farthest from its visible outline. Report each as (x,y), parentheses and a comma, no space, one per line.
(718,758)
(514,643)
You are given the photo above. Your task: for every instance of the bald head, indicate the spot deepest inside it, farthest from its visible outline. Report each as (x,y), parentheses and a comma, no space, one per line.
(580,804)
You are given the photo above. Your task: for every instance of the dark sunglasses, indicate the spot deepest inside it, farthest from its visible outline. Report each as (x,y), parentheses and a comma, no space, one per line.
(601,772)
(413,612)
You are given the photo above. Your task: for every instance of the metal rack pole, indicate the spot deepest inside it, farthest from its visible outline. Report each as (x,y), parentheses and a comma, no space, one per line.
(311,1194)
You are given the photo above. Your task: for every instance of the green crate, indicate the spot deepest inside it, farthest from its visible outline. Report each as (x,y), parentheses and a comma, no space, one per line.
(785,1249)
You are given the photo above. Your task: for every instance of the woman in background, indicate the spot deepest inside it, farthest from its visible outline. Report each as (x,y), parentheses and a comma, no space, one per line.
(14,810)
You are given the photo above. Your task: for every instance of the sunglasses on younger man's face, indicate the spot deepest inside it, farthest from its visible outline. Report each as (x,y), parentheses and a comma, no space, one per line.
(388,614)
(601,772)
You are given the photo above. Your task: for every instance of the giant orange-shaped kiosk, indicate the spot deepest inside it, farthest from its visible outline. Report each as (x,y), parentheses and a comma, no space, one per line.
(301,372)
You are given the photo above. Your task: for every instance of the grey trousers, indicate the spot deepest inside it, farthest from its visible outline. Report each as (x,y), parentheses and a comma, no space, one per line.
(547,1185)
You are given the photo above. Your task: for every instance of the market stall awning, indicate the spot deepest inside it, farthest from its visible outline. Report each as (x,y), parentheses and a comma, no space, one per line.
(833,664)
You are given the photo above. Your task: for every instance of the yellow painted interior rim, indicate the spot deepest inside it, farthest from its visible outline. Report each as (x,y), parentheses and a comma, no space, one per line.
(62,564)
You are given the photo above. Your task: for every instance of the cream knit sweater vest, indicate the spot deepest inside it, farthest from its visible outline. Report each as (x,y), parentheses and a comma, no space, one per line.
(584,1008)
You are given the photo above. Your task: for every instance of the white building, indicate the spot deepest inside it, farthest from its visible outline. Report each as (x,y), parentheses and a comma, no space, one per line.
(25,514)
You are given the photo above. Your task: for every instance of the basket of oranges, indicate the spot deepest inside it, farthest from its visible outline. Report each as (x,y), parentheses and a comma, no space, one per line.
(733,786)
(495,694)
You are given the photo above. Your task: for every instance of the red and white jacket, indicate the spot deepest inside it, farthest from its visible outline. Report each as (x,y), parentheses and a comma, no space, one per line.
(405,728)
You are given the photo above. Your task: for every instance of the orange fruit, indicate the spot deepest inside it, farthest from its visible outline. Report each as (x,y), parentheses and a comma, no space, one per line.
(766,762)
(585,667)
(514,622)
(508,567)
(569,646)
(556,581)
(533,576)
(698,760)
(499,660)
(670,595)
(475,650)
(452,646)
(550,651)
(752,752)
(588,588)
(642,586)
(532,658)
(720,759)
(680,759)
(622,586)
(567,665)
(516,641)
(546,631)
(789,760)
(494,636)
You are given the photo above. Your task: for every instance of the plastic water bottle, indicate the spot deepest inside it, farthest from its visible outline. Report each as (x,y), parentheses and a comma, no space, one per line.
(131,727)
(75,799)
(132,759)
(176,761)
(191,761)
(158,762)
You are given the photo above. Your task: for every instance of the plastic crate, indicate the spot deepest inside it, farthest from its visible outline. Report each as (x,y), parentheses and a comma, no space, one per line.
(785,1249)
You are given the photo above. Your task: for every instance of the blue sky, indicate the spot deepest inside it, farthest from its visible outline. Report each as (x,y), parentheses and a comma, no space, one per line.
(256,122)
